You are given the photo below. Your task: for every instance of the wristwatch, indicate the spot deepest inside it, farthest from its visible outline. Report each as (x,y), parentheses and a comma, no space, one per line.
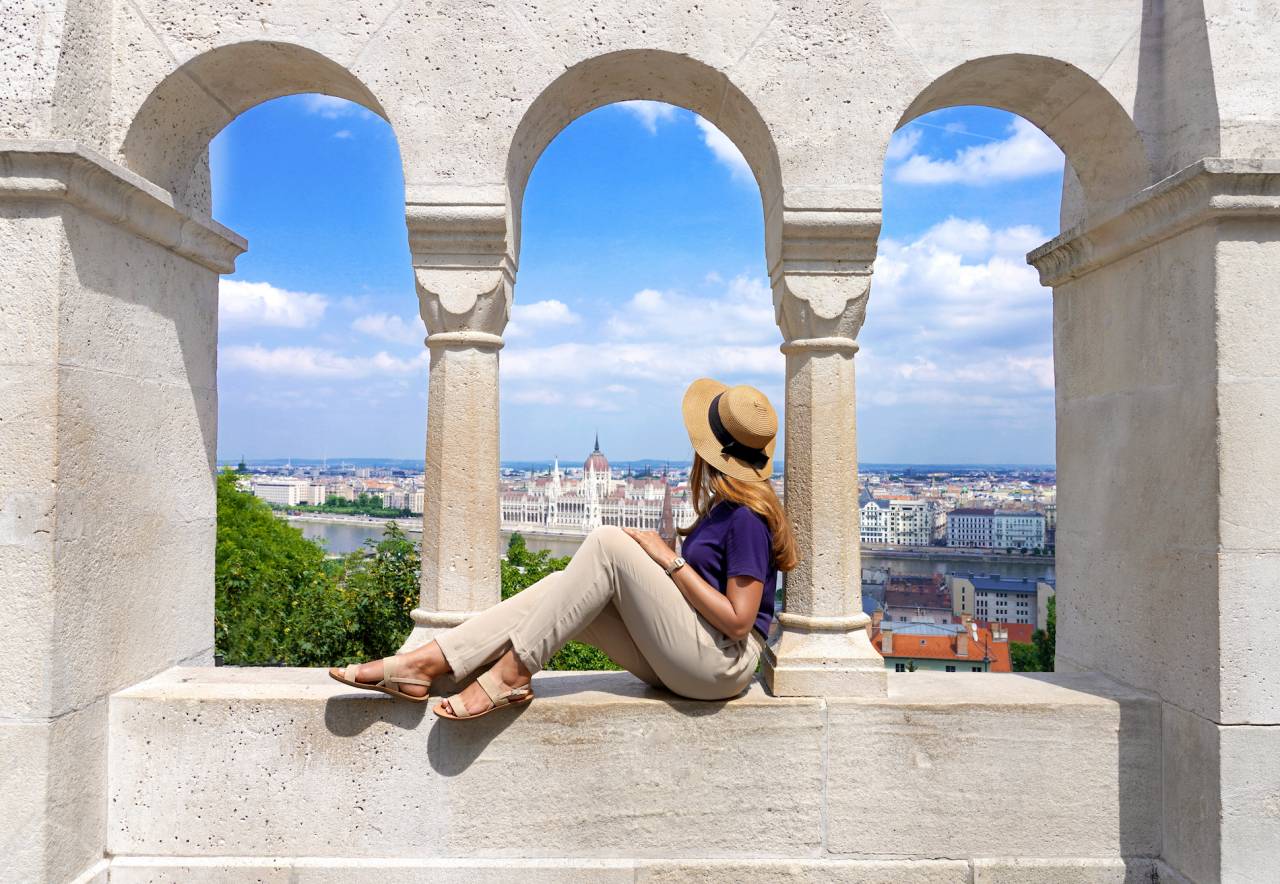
(676,564)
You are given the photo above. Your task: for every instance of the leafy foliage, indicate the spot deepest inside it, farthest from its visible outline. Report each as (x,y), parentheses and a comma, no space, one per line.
(363,505)
(1037,655)
(279,601)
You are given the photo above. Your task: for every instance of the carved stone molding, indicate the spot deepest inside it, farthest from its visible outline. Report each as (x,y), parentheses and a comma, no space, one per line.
(465,270)
(1209,190)
(821,281)
(68,172)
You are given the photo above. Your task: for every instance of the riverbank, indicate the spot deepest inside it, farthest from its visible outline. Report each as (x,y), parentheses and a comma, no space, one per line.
(343,534)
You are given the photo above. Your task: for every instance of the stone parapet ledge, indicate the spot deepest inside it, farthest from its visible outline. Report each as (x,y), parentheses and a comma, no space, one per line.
(1212,189)
(69,172)
(950,778)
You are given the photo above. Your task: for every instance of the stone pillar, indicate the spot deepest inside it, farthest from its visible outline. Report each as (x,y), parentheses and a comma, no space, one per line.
(1167,355)
(820,285)
(108,426)
(465,272)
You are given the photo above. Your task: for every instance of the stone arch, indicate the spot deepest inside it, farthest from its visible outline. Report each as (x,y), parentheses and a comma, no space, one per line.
(170,134)
(1098,136)
(644,74)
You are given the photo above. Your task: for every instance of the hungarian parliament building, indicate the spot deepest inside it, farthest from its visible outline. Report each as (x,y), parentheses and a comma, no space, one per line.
(559,503)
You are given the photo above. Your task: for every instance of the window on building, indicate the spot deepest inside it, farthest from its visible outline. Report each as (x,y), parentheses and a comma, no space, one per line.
(976,668)
(951,669)
(899,667)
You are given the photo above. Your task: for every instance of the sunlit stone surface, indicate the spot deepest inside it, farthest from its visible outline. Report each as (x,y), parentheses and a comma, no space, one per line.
(1154,757)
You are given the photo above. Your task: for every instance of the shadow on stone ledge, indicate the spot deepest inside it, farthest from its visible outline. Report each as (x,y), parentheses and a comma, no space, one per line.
(349,715)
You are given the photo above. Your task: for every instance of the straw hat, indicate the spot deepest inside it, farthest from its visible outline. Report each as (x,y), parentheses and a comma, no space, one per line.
(732,428)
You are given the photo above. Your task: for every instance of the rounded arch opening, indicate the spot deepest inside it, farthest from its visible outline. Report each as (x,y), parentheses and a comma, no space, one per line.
(1105,153)
(645,75)
(956,404)
(169,137)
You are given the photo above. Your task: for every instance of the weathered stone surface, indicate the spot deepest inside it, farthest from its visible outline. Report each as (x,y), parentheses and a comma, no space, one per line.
(1056,871)
(263,752)
(614,769)
(1222,820)
(769,871)
(1069,767)
(1165,343)
(53,818)
(132,870)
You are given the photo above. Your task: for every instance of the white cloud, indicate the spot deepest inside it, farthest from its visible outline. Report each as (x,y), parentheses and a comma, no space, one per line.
(725,151)
(958,323)
(389,327)
(539,314)
(1027,152)
(243,303)
(316,362)
(741,313)
(650,113)
(342,133)
(652,345)
(535,396)
(331,107)
(903,143)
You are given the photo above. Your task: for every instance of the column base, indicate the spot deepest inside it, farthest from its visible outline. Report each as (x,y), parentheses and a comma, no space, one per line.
(823,657)
(426,626)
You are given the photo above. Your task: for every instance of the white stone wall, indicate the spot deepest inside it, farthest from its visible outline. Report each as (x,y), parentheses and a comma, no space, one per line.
(1164,336)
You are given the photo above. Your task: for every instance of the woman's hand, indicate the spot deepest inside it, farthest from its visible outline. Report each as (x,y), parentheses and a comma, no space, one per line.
(654,545)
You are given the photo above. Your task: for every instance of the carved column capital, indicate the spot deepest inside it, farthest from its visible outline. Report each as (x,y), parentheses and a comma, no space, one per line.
(823,276)
(465,270)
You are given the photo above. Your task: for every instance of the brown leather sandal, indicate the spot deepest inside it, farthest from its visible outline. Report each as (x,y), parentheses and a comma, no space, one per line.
(347,675)
(489,684)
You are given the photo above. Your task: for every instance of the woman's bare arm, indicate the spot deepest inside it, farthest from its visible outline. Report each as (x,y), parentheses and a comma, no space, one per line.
(732,612)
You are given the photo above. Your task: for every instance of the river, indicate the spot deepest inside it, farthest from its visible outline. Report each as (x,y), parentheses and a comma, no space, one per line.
(340,539)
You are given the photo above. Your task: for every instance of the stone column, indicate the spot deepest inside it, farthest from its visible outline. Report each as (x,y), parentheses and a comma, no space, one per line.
(108,426)
(820,286)
(465,272)
(1167,356)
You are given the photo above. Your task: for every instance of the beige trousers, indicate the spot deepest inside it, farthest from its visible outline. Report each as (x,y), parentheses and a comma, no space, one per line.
(615,597)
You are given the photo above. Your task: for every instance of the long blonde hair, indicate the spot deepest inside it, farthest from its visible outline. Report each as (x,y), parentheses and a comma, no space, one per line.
(708,486)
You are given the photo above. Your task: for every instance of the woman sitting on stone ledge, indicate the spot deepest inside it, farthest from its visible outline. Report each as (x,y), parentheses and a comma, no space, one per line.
(695,625)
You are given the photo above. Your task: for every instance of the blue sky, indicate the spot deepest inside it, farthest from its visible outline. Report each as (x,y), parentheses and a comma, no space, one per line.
(642,267)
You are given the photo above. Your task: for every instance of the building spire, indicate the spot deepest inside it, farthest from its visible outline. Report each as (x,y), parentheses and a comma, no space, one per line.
(597,440)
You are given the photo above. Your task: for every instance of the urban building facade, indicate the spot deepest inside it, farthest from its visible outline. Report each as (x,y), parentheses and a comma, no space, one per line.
(897,521)
(997,599)
(1000,529)
(556,503)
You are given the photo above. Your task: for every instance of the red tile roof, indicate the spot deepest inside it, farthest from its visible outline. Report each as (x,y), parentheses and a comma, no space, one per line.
(943,647)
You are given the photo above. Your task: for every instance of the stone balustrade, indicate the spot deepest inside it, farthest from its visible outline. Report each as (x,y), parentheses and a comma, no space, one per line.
(234,774)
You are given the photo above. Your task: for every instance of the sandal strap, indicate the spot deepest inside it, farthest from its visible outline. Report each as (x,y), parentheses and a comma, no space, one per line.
(489,684)
(350,670)
(389,667)
(458,707)
(418,681)
(498,696)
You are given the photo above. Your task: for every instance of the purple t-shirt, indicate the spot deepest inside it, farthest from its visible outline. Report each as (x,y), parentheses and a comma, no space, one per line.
(734,541)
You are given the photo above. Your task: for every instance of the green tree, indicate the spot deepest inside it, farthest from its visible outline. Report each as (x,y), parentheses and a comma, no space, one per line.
(274,599)
(1037,655)
(279,600)
(521,569)
(380,584)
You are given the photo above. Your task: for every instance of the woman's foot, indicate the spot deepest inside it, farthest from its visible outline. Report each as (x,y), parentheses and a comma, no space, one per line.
(421,664)
(508,671)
